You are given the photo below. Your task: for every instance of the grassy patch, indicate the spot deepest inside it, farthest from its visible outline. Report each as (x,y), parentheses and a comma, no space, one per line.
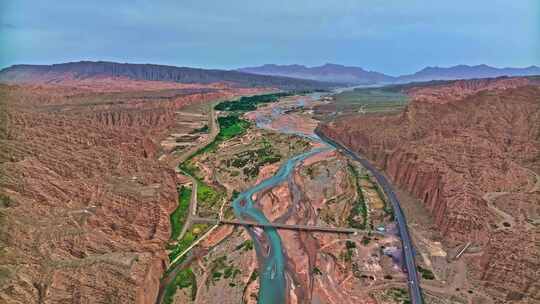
(5,201)
(370,100)
(191,236)
(184,279)
(179,215)
(399,295)
(230,126)
(387,208)
(246,245)
(249,103)
(358,215)
(206,195)
(222,270)
(426,273)
(251,161)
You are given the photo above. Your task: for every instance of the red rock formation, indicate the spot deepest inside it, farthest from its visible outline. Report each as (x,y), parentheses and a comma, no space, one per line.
(452,145)
(87,217)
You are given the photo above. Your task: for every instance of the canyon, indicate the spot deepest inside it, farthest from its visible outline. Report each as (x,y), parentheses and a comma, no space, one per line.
(460,148)
(85,203)
(93,170)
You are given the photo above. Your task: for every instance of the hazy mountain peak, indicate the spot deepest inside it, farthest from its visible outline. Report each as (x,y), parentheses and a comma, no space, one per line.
(327,72)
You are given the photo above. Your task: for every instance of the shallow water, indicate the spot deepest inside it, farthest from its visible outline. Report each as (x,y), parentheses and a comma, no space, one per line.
(272,261)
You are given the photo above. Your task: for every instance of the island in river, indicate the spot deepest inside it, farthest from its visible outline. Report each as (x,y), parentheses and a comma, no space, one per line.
(275,169)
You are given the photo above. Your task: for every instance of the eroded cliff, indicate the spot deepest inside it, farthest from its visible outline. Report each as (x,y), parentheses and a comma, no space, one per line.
(85,203)
(454,147)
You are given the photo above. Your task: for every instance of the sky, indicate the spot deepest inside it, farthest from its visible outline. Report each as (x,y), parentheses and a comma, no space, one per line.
(390,36)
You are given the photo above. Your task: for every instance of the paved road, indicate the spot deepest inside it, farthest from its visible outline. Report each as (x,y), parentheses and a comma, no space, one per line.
(408,250)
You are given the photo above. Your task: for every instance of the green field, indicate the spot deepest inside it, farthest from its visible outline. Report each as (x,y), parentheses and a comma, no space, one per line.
(184,279)
(359,208)
(369,100)
(249,103)
(178,217)
(230,126)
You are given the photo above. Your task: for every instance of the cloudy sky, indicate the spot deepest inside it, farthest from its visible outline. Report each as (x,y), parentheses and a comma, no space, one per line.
(391,36)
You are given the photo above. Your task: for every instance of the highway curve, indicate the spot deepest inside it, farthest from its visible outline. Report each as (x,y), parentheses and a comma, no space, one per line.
(408,250)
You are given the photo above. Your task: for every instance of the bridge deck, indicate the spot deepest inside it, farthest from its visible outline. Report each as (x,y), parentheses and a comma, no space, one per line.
(276,225)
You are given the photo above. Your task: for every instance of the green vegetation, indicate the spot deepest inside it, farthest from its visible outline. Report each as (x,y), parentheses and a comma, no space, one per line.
(365,240)
(230,126)
(317,271)
(370,100)
(5,201)
(178,217)
(221,269)
(188,239)
(347,255)
(184,279)
(249,103)
(400,295)
(203,129)
(252,160)
(387,208)
(207,196)
(426,273)
(246,245)
(254,275)
(235,194)
(359,208)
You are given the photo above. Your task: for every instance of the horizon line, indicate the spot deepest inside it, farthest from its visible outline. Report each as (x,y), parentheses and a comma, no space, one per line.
(135,62)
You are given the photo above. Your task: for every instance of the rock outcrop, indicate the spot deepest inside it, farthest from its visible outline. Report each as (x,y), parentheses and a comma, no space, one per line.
(451,146)
(84,203)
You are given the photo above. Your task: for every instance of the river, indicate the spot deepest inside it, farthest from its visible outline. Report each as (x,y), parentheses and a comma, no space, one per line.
(268,246)
(267,241)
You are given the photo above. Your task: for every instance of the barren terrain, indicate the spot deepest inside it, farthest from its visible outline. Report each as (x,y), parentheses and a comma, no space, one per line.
(85,203)
(468,151)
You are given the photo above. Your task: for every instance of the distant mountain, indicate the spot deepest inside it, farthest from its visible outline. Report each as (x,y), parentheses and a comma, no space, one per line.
(466,72)
(328,72)
(88,69)
(287,77)
(356,75)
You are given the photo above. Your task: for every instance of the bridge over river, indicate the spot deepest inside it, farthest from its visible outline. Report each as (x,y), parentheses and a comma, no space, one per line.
(314,228)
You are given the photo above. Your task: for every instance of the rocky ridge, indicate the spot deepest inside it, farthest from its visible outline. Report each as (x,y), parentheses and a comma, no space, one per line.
(85,203)
(451,146)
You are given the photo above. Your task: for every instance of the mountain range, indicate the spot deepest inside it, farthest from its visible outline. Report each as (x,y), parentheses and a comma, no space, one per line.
(286,77)
(152,72)
(356,75)
(328,72)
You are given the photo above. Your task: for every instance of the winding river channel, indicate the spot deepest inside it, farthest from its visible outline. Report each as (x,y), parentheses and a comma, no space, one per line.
(267,241)
(268,245)
(270,254)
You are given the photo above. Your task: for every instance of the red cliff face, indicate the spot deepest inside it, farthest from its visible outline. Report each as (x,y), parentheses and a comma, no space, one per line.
(452,146)
(449,154)
(85,204)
